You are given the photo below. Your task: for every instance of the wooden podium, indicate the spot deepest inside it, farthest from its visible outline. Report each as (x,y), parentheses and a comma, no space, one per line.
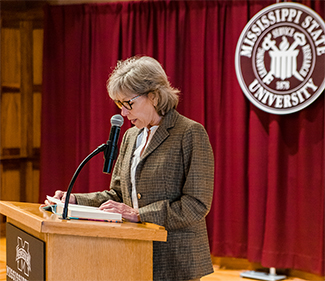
(87,250)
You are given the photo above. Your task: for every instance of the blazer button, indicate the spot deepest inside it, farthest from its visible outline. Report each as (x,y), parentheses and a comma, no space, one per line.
(139,196)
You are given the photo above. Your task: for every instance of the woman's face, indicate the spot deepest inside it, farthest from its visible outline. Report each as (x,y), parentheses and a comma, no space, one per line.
(143,113)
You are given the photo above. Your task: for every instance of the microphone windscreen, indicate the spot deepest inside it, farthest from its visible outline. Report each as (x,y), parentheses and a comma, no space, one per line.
(117,120)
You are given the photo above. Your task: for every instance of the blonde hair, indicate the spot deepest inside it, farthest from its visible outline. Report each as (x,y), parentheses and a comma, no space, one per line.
(143,75)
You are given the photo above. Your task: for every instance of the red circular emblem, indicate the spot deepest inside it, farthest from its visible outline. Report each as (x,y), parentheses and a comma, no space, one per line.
(280,58)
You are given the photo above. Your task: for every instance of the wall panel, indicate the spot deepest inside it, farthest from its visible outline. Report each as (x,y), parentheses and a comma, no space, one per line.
(10,123)
(10,57)
(21,79)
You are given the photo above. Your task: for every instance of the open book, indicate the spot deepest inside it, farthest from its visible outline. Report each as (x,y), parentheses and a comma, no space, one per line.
(83,212)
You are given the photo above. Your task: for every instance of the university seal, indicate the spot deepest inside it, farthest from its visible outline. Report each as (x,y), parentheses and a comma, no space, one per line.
(280,58)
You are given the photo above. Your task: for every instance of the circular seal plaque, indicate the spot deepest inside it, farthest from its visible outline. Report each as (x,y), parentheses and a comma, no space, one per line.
(280,58)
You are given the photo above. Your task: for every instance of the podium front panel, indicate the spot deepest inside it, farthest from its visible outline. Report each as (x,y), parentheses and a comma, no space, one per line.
(77,249)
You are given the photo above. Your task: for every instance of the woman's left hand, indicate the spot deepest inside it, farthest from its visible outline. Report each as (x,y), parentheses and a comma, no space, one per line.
(126,211)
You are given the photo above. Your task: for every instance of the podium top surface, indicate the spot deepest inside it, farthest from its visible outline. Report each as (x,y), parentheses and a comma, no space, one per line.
(34,217)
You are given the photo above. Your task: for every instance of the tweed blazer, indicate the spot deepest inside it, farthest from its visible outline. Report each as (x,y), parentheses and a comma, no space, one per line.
(174,182)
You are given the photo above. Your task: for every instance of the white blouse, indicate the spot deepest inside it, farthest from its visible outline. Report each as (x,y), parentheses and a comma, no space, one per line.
(142,142)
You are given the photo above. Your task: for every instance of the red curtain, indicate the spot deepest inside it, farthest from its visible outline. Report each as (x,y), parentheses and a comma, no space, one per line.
(268,201)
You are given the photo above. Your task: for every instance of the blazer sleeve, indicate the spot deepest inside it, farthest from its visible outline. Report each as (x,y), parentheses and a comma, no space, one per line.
(196,193)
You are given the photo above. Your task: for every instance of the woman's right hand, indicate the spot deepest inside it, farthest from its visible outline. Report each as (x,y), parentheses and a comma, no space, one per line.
(61,196)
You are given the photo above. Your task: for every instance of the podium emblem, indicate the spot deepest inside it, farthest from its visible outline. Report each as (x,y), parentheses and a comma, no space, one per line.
(23,257)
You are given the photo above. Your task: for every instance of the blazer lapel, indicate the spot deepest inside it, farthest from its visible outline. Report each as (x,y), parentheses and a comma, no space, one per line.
(128,156)
(160,135)
(162,132)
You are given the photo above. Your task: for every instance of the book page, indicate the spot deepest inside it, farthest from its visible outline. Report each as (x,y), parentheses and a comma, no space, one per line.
(84,212)
(71,206)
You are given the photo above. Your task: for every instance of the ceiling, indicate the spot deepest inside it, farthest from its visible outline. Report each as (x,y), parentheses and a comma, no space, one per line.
(25,5)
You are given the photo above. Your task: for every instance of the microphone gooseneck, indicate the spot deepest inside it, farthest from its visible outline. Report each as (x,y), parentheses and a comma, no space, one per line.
(110,154)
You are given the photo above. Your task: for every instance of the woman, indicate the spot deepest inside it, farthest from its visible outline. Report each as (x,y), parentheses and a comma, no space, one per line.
(164,172)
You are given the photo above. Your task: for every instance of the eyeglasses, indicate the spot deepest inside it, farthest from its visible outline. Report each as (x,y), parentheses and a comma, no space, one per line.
(127,104)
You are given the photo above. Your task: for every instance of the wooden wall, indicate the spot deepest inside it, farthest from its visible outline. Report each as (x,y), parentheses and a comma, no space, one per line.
(21,80)
(21,84)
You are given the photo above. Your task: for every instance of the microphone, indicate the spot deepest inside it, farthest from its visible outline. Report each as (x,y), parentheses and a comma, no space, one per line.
(111,150)
(110,154)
